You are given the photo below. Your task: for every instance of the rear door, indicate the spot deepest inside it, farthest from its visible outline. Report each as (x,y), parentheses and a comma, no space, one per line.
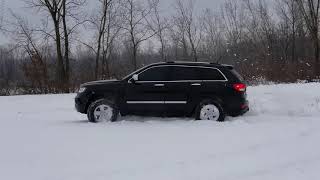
(183,84)
(214,83)
(146,96)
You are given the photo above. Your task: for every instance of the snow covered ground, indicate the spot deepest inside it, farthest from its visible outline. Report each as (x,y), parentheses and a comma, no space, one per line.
(43,138)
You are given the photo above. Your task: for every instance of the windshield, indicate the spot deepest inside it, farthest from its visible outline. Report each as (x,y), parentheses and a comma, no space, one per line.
(131,74)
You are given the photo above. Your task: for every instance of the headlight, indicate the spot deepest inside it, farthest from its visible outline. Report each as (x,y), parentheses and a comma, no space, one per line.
(82,89)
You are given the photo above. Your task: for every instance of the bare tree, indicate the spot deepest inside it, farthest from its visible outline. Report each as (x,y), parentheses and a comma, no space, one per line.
(213,43)
(59,11)
(100,23)
(267,26)
(55,8)
(233,19)
(310,10)
(136,25)
(106,22)
(26,38)
(2,7)
(104,19)
(112,32)
(9,71)
(289,14)
(159,25)
(178,38)
(185,14)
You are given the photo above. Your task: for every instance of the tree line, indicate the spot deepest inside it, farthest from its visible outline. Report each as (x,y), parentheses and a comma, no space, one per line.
(265,41)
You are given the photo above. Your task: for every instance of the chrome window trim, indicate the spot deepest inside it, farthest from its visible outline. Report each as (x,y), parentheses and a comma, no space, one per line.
(134,72)
(170,65)
(145,102)
(156,102)
(175,102)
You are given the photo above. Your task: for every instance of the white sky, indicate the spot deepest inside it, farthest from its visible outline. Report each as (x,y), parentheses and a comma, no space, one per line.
(19,6)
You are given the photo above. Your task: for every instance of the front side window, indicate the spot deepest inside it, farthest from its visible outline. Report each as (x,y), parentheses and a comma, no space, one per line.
(154,74)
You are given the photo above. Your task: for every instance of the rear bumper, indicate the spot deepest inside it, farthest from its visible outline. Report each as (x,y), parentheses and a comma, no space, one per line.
(243,111)
(239,109)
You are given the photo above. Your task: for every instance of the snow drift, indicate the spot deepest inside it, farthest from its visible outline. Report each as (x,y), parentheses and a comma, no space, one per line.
(43,137)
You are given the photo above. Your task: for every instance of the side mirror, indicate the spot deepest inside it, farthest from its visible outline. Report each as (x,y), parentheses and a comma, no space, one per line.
(135,77)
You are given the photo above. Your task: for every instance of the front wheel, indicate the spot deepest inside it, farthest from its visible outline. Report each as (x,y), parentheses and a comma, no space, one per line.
(102,110)
(210,110)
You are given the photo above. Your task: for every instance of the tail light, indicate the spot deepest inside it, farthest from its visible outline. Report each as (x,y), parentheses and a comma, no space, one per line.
(240,87)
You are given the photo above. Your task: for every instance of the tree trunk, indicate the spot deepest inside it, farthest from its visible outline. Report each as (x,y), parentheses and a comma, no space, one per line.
(194,52)
(293,41)
(101,36)
(96,69)
(316,55)
(107,67)
(193,47)
(185,47)
(134,58)
(162,50)
(60,65)
(66,51)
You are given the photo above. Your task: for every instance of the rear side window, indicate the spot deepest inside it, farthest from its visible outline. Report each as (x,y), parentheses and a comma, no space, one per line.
(183,73)
(155,74)
(211,74)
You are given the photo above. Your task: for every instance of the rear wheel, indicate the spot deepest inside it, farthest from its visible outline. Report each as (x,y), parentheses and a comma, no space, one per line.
(102,110)
(210,110)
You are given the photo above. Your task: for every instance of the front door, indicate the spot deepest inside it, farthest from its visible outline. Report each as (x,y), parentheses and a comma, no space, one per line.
(146,96)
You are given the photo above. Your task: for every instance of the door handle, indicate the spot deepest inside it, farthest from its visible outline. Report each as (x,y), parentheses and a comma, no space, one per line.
(159,85)
(196,84)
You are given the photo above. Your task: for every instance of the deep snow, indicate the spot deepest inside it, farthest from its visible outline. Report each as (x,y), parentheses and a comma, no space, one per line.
(43,138)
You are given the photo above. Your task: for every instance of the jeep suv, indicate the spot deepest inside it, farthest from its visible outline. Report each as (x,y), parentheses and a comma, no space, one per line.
(206,91)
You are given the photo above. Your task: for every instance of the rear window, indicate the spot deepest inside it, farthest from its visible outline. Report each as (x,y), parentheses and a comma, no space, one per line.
(195,73)
(183,73)
(235,73)
(211,74)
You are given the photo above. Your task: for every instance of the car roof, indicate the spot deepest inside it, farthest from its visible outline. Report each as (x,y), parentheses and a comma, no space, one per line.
(188,63)
(183,63)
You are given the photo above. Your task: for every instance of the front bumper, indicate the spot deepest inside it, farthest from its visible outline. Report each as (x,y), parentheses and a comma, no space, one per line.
(81,103)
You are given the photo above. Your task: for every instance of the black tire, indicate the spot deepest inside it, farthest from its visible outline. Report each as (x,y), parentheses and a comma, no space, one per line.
(95,104)
(210,102)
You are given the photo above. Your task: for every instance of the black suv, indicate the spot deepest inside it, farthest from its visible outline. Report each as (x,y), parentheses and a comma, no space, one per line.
(204,90)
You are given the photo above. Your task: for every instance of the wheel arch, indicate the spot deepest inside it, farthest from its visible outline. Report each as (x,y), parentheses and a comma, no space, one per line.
(213,98)
(99,95)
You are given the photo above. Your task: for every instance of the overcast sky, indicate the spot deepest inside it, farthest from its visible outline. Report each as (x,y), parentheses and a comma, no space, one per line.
(19,6)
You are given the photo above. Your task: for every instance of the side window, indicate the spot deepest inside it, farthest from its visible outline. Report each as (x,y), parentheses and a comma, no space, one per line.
(210,74)
(183,73)
(154,74)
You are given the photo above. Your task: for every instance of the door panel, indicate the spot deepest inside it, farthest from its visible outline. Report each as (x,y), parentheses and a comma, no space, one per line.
(176,98)
(145,98)
(179,89)
(214,89)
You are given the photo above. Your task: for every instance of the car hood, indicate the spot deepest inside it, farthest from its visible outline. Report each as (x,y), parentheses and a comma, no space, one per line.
(102,82)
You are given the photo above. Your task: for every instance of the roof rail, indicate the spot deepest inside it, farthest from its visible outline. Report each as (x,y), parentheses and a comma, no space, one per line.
(214,63)
(170,62)
(188,62)
(228,66)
